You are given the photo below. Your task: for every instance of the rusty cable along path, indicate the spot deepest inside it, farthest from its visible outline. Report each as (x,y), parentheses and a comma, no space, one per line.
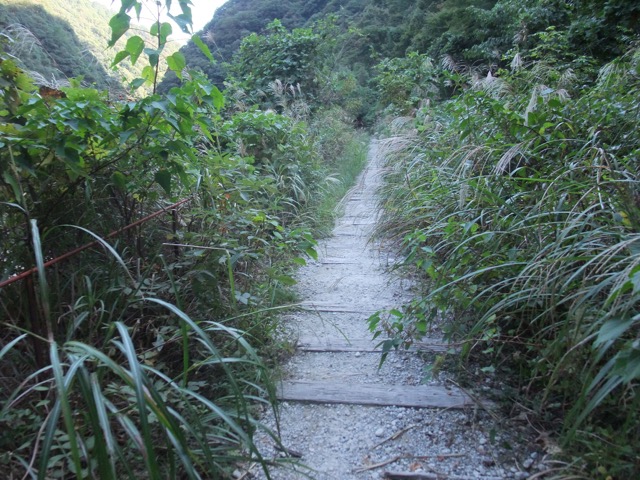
(75,251)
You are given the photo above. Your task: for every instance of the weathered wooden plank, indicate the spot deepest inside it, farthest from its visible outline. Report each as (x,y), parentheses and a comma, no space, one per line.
(420,396)
(431,476)
(356,223)
(333,308)
(336,261)
(312,344)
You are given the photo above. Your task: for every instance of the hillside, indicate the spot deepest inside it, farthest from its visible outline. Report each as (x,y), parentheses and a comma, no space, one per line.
(387,28)
(62,39)
(473,32)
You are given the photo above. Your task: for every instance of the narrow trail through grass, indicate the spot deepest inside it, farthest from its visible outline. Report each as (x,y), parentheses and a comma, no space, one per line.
(343,416)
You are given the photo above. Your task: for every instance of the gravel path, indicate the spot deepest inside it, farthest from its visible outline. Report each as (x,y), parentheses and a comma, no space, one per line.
(345,442)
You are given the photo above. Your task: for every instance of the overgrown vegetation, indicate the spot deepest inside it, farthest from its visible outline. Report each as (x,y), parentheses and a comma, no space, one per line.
(514,194)
(147,353)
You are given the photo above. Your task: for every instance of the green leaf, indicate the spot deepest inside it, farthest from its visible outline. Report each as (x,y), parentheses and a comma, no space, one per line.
(614,329)
(148,75)
(137,83)
(15,186)
(203,48)
(11,344)
(165,31)
(163,178)
(120,56)
(177,63)
(135,46)
(119,180)
(218,98)
(119,24)
(183,20)
(154,56)
(285,280)
(312,253)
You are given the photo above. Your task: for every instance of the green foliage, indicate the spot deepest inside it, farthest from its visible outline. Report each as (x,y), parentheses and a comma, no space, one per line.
(237,19)
(405,82)
(470,32)
(345,152)
(116,409)
(517,203)
(45,42)
(144,380)
(290,57)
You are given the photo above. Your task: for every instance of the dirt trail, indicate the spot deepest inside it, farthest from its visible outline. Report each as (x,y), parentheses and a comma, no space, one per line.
(342,439)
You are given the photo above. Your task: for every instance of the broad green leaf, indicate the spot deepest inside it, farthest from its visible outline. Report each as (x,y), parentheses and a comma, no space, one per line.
(127,4)
(165,31)
(285,280)
(119,24)
(120,56)
(160,106)
(148,75)
(183,20)
(137,83)
(299,261)
(15,186)
(119,180)
(163,178)
(218,98)
(203,48)
(135,46)
(177,63)
(154,56)
(614,329)
(312,253)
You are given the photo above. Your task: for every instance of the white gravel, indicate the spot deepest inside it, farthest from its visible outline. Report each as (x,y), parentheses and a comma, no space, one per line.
(344,442)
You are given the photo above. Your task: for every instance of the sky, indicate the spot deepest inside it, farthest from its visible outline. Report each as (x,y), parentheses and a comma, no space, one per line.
(202,12)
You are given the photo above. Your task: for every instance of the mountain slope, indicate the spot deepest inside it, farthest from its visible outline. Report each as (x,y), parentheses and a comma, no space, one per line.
(388,28)
(62,39)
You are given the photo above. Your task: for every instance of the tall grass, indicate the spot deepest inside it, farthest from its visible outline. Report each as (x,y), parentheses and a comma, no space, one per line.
(114,411)
(344,151)
(519,207)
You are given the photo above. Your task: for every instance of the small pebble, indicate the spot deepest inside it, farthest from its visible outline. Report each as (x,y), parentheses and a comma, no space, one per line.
(379,432)
(488,462)
(527,463)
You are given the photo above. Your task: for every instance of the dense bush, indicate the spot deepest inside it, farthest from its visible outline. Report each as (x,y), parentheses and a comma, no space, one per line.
(517,201)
